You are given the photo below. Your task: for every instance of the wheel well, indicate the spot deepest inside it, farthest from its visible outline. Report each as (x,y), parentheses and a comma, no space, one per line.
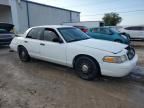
(20,46)
(81,55)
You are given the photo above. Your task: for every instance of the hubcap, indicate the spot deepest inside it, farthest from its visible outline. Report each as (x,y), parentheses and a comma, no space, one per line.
(23,54)
(85,68)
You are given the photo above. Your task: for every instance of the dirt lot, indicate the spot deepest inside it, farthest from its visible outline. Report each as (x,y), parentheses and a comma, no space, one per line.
(140,52)
(139,46)
(39,84)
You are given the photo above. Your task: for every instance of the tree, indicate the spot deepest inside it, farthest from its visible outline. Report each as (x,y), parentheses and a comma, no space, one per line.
(112,19)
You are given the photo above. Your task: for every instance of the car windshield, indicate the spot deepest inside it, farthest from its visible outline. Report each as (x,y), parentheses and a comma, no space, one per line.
(73,34)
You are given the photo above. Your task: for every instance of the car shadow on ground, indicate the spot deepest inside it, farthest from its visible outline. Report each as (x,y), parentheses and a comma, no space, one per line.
(4,47)
(55,69)
(133,76)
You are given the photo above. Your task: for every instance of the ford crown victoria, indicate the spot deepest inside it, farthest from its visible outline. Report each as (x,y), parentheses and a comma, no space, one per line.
(71,47)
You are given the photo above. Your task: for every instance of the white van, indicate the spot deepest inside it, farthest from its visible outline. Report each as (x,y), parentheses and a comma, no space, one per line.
(135,32)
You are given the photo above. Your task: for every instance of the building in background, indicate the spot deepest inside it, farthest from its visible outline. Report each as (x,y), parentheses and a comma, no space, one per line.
(24,14)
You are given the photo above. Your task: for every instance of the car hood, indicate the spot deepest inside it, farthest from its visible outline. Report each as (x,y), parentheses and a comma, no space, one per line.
(108,46)
(6,26)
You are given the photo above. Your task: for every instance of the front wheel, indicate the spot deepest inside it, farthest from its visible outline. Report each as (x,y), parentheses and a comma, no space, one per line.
(23,54)
(86,68)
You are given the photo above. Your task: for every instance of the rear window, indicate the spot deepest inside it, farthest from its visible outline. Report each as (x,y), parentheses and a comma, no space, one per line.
(35,33)
(140,28)
(102,30)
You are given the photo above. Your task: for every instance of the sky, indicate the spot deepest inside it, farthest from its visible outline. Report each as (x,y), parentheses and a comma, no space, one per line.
(131,11)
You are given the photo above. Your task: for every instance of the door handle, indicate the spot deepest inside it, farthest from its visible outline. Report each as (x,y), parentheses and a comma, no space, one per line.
(42,44)
(25,41)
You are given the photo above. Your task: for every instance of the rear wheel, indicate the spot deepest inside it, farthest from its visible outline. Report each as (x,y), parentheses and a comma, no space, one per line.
(86,68)
(23,54)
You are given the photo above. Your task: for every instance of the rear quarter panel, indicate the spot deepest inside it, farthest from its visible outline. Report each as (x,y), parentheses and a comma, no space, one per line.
(16,42)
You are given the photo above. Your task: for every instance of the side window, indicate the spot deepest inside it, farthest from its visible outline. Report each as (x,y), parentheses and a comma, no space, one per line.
(134,28)
(103,31)
(95,30)
(50,35)
(35,33)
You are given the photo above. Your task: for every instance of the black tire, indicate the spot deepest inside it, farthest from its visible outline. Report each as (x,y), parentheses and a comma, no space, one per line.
(119,41)
(23,54)
(86,68)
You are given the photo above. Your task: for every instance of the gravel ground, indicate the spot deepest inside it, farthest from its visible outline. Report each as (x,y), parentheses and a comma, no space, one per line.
(140,52)
(139,47)
(39,84)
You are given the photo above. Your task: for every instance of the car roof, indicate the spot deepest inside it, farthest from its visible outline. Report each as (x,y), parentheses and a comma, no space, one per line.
(100,27)
(52,26)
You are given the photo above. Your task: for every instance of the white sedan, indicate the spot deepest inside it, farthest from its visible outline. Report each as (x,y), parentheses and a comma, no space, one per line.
(71,47)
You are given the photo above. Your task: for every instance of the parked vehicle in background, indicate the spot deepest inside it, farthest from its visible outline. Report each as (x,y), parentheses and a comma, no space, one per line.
(116,28)
(71,47)
(82,28)
(106,33)
(88,24)
(5,35)
(135,32)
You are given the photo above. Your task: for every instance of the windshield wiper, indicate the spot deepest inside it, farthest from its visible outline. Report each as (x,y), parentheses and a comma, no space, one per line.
(78,39)
(74,40)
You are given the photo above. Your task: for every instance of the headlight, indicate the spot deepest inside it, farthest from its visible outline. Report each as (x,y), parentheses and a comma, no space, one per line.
(125,37)
(115,59)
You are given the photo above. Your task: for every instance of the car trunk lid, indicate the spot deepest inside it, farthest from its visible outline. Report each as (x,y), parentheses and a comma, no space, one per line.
(6,26)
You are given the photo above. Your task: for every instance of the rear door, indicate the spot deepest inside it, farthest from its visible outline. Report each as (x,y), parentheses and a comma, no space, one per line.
(32,42)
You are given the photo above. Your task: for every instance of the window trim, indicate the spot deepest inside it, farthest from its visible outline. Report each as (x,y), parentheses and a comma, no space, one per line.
(40,37)
(51,29)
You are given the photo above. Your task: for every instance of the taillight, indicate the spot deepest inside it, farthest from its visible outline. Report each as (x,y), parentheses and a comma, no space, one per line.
(85,30)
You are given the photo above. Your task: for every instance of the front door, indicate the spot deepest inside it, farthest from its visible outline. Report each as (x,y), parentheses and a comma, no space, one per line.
(52,48)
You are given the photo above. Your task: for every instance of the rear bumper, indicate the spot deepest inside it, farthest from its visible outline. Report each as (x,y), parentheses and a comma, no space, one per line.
(118,70)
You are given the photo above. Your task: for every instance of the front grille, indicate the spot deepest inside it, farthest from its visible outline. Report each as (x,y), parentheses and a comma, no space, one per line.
(130,53)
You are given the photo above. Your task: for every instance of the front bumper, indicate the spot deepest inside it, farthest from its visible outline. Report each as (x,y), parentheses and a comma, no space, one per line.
(118,70)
